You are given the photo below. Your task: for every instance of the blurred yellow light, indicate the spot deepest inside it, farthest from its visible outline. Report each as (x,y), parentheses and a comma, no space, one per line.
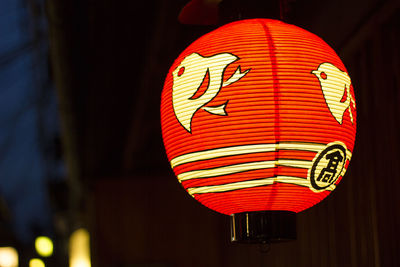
(80,263)
(36,263)
(44,246)
(8,257)
(79,249)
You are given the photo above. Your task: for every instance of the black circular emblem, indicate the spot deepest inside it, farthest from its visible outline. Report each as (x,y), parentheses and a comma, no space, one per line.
(327,166)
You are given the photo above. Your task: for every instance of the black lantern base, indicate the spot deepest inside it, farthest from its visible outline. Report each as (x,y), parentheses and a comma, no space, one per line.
(263,227)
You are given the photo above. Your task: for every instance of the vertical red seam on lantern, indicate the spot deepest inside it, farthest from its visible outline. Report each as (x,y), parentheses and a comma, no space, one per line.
(276,86)
(271,48)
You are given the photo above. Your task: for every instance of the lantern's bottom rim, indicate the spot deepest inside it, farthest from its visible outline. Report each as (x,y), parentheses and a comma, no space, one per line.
(263,227)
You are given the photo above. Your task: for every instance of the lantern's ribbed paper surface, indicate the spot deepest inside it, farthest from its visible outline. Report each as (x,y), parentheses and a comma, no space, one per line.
(258,115)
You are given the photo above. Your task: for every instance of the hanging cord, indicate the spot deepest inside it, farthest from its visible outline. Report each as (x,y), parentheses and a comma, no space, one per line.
(282,9)
(238,9)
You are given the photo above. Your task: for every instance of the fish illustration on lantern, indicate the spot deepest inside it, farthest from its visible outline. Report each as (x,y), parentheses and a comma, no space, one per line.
(335,85)
(189,76)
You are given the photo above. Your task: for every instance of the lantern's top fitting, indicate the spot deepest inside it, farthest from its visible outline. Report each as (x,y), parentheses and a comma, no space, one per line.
(263,227)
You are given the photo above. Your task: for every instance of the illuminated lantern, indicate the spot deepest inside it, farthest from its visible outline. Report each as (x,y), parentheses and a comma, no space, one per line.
(259,121)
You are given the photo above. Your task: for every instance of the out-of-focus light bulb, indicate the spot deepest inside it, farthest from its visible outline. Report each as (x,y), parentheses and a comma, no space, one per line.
(8,257)
(80,263)
(44,246)
(36,263)
(79,249)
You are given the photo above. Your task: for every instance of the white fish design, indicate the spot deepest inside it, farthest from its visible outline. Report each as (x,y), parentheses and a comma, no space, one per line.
(188,78)
(335,84)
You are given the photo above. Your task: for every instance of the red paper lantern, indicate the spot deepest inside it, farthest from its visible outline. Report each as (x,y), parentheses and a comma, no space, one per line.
(258,115)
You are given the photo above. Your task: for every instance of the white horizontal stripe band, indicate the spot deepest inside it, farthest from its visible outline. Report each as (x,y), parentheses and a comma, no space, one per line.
(231,169)
(246,149)
(294,163)
(222,152)
(241,150)
(252,183)
(242,167)
(301,146)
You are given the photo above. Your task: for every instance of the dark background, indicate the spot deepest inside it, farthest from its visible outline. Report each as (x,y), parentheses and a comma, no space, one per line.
(108,61)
